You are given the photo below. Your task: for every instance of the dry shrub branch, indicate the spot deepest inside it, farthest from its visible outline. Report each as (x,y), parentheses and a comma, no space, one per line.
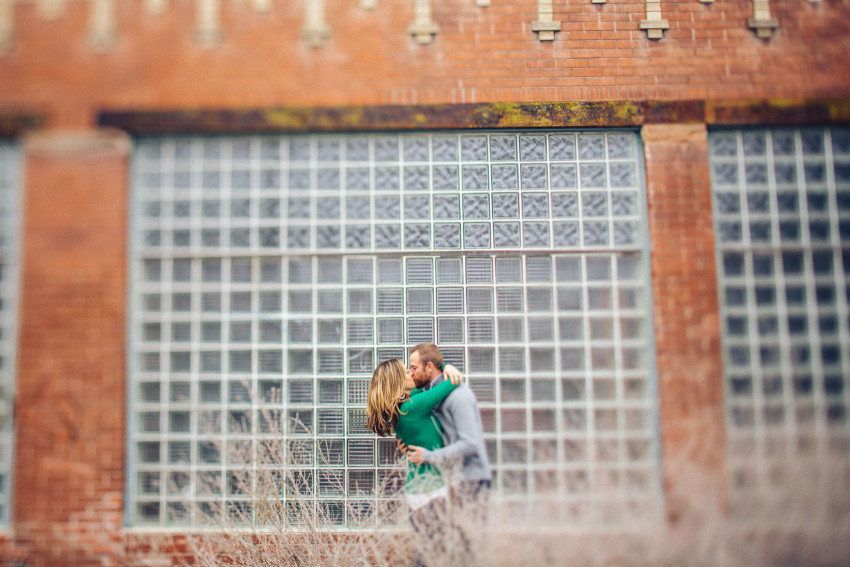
(274,517)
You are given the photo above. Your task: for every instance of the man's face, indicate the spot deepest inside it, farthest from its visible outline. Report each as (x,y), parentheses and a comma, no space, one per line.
(417,371)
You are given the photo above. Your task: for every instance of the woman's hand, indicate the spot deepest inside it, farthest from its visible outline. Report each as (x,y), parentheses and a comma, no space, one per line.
(415,454)
(453,374)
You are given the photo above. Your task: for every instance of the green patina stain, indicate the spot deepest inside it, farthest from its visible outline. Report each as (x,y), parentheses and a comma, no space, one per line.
(840,110)
(786,102)
(283,118)
(555,114)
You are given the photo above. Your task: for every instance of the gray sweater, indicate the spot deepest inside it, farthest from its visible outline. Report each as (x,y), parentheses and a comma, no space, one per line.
(463,435)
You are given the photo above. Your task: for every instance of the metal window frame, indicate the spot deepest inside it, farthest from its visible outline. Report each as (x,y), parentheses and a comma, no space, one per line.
(11,157)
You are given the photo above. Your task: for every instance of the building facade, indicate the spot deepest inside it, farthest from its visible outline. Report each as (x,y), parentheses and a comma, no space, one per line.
(626,222)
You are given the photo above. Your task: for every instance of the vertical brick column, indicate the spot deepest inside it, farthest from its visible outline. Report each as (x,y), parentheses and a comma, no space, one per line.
(687,328)
(69,450)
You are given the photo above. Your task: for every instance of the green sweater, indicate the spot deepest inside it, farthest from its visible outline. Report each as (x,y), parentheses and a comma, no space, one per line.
(418,426)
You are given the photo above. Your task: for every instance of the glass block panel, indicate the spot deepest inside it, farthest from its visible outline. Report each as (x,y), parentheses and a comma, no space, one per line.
(417,236)
(591,146)
(481,330)
(390,301)
(476,207)
(776,254)
(535,234)
(476,235)
(416,178)
(509,299)
(473,148)
(621,146)
(420,301)
(360,331)
(535,205)
(534,177)
(449,330)
(331,361)
(387,240)
(564,176)
(532,148)
(445,177)
(449,271)
(386,148)
(420,330)
(360,301)
(503,148)
(449,300)
(562,147)
(388,236)
(446,207)
(505,205)
(420,271)
(475,177)
(445,148)
(479,300)
(511,329)
(504,176)
(508,270)
(416,148)
(390,331)
(506,234)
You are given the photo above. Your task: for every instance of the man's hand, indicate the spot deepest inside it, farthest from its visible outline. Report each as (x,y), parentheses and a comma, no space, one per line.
(453,374)
(415,454)
(401,446)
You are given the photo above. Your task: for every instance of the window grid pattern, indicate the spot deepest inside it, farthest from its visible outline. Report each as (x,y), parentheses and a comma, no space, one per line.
(389,192)
(9,242)
(782,217)
(232,343)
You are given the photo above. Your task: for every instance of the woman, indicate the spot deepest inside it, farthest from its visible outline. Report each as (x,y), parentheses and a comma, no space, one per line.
(392,410)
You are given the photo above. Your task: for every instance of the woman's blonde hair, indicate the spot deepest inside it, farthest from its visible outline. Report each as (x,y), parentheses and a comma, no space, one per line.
(386,393)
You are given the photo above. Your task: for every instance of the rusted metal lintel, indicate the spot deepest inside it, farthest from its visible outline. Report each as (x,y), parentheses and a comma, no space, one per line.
(13,125)
(588,114)
(778,111)
(405,117)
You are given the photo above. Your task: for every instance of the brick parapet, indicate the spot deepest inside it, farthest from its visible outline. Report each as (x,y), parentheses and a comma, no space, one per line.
(480,55)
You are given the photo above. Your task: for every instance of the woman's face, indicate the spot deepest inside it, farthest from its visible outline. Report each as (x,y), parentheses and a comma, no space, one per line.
(409,384)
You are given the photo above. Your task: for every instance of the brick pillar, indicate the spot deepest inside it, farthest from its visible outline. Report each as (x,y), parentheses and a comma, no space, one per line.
(687,328)
(69,449)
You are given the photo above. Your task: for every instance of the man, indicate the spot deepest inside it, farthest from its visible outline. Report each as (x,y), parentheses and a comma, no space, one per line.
(464,455)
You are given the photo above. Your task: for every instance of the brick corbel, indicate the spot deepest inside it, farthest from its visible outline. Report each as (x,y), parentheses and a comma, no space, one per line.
(316,30)
(761,23)
(654,25)
(208,31)
(545,26)
(424,28)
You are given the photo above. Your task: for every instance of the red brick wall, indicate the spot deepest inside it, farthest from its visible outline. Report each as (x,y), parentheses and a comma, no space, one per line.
(70,431)
(69,463)
(687,326)
(480,55)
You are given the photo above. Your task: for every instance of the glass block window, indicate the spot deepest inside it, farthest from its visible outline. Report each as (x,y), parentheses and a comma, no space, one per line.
(9,277)
(271,275)
(782,221)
